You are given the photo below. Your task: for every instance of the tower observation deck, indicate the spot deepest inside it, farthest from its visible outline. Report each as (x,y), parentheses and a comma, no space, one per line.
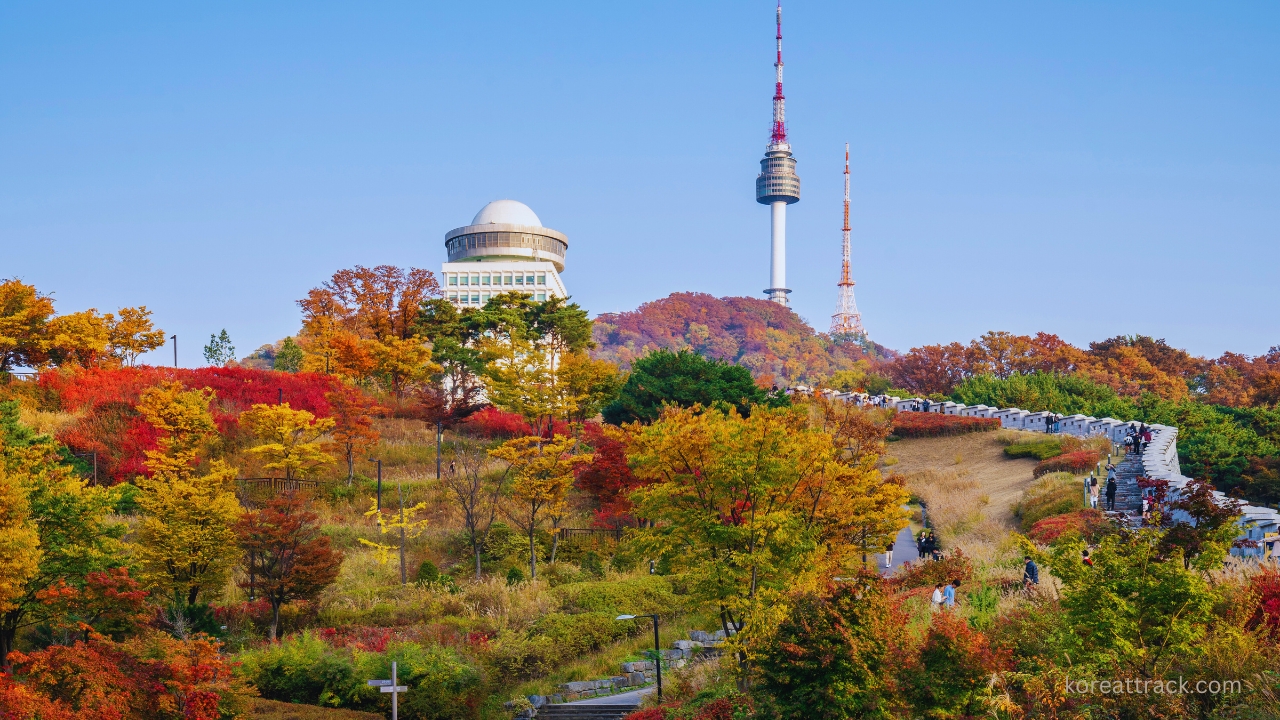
(778,185)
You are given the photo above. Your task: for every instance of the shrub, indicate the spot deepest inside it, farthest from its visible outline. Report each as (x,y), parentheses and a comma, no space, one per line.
(515,576)
(582,633)
(1080,461)
(303,669)
(1088,523)
(427,573)
(442,684)
(830,656)
(954,565)
(928,424)
(954,665)
(639,595)
(1053,494)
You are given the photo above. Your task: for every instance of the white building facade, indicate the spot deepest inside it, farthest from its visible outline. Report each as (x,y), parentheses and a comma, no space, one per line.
(504,249)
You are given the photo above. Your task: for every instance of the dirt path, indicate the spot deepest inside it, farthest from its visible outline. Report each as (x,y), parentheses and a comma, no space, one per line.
(978,458)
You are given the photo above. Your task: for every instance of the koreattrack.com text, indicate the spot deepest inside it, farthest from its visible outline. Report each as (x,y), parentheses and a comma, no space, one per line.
(1131,686)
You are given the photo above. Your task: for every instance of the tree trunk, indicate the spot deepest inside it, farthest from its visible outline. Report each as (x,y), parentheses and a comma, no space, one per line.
(192,594)
(275,619)
(533,555)
(7,635)
(351,464)
(475,547)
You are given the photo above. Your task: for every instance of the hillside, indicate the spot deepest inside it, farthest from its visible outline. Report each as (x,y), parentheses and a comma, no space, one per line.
(774,343)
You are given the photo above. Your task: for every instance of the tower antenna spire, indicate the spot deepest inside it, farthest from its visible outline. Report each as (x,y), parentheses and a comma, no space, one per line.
(777,185)
(779,134)
(847,320)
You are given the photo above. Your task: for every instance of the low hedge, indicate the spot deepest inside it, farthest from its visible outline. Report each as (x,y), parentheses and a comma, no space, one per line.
(1040,450)
(1080,461)
(911,424)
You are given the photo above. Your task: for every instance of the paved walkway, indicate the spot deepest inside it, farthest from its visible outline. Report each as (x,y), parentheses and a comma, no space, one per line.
(626,698)
(904,550)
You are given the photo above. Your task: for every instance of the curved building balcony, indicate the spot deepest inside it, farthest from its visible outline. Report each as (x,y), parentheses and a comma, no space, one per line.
(498,241)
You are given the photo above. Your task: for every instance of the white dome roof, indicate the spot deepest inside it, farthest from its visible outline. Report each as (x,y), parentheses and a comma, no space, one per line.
(506,212)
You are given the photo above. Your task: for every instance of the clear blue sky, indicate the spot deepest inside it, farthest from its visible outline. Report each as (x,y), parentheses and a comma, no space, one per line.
(1086,168)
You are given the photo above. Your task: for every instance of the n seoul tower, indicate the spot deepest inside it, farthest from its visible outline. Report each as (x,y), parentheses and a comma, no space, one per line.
(778,185)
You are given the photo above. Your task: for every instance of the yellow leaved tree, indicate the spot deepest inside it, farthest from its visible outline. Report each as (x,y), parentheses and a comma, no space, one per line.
(19,541)
(407,522)
(542,471)
(293,441)
(185,540)
(752,508)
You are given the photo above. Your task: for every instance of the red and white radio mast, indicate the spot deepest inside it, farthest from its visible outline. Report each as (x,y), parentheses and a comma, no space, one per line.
(847,320)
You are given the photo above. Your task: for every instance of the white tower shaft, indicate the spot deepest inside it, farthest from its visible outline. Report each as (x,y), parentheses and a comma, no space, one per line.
(778,245)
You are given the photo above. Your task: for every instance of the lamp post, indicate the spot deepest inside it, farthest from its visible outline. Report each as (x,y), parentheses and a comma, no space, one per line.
(439,438)
(379,482)
(657,648)
(174,338)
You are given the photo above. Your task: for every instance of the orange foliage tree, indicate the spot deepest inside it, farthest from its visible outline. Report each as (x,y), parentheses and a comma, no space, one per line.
(287,558)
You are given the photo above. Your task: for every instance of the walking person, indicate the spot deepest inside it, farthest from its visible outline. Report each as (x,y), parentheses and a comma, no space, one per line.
(935,602)
(888,555)
(1111,493)
(1093,491)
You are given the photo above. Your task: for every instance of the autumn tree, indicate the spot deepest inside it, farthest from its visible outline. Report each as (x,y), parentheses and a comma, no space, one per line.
(132,333)
(293,441)
(361,323)
(287,557)
(24,315)
(353,430)
(111,603)
(747,507)
(19,542)
(79,339)
(186,531)
(586,385)
(476,490)
(74,536)
(833,654)
(542,472)
(608,479)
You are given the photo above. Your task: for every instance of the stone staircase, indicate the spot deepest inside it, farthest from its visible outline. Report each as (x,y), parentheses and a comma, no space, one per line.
(585,711)
(1128,494)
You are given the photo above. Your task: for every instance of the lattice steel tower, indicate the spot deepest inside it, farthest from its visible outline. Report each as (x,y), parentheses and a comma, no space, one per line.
(778,185)
(847,320)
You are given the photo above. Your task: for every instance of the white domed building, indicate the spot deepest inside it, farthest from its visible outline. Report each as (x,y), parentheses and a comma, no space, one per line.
(504,249)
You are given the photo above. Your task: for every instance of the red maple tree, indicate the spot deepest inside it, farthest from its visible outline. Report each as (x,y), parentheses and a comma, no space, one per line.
(286,555)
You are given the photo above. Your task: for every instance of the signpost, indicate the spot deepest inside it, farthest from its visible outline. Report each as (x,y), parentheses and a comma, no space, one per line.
(390,686)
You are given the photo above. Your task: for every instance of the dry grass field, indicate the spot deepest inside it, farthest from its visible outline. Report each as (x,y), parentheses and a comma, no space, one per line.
(261,709)
(969,486)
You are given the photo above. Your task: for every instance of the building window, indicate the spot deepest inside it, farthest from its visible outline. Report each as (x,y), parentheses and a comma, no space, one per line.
(484,279)
(484,297)
(519,279)
(466,279)
(453,279)
(475,279)
(529,279)
(542,296)
(453,297)
(475,299)
(542,279)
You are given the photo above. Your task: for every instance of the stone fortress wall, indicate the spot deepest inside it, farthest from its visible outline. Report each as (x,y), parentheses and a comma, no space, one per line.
(1159,458)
